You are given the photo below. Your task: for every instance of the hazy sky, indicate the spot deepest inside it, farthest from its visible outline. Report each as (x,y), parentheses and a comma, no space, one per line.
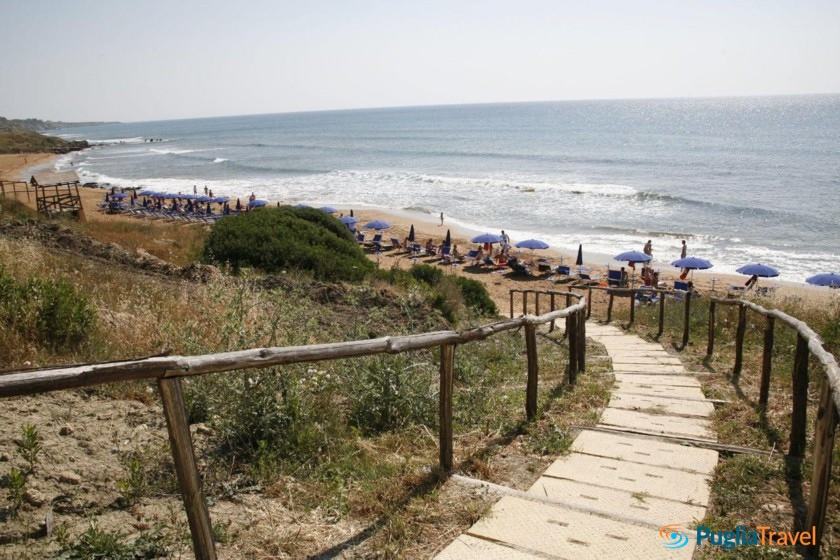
(143,60)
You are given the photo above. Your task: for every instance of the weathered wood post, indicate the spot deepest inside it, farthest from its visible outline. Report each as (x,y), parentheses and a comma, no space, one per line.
(571,329)
(799,412)
(661,328)
(447,366)
(568,295)
(511,304)
(524,302)
(710,345)
(686,318)
(632,308)
(739,339)
(581,361)
(826,425)
(766,364)
(589,303)
(551,327)
(185,468)
(533,371)
(536,303)
(609,306)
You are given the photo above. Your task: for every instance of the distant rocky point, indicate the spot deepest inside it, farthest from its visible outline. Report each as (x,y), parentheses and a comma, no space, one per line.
(19,136)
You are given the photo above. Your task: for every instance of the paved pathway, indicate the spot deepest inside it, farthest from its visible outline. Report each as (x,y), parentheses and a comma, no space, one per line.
(622,481)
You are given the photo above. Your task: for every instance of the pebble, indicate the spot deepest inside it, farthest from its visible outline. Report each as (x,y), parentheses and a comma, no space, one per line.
(34,497)
(69,477)
(65,430)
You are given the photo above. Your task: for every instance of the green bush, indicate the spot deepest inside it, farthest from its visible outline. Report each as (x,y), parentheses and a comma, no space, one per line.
(50,312)
(476,296)
(428,274)
(275,239)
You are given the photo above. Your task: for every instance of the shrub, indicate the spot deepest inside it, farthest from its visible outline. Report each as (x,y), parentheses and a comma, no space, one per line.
(274,239)
(16,484)
(390,393)
(29,446)
(47,311)
(428,274)
(476,296)
(99,543)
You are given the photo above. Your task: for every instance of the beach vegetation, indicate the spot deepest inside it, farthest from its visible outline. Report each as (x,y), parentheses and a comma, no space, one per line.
(278,239)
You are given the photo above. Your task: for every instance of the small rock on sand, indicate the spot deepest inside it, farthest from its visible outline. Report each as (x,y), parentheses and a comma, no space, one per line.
(69,477)
(34,497)
(65,430)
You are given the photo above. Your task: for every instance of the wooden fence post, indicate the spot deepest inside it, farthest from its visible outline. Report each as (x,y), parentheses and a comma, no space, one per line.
(826,425)
(571,329)
(447,366)
(766,364)
(533,371)
(739,340)
(551,328)
(632,308)
(589,303)
(581,361)
(686,319)
(524,302)
(609,308)
(511,304)
(188,479)
(661,315)
(710,346)
(799,413)
(568,303)
(536,303)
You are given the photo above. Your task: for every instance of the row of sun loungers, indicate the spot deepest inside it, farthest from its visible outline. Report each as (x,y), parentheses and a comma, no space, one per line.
(162,214)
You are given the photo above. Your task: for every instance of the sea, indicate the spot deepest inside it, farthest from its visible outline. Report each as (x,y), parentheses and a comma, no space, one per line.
(748,179)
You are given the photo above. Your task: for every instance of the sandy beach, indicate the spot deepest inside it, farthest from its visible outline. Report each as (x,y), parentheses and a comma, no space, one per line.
(428,226)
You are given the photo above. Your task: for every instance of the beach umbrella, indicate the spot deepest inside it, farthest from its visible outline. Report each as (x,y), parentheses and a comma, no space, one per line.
(829,279)
(411,233)
(220,199)
(487,238)
(692,263)
(532,244)
(118,196)
(632,256)
(377,225)
(448,241)
(758,269)
(258,203)
(328,210)
(204,198)
(146,192)
(579,260)
(347,220)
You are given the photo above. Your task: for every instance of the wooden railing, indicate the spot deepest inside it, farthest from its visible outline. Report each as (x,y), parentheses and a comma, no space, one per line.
(168,371)
(13,188)
(808,343)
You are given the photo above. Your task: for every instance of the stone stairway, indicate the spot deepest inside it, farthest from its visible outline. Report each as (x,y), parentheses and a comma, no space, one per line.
(629,488)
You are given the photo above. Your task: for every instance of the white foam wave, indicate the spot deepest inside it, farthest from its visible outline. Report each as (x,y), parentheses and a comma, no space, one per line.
(172,151)
(131,140)
(219,160)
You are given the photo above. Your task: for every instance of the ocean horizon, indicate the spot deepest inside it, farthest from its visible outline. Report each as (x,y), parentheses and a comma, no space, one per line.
(747,179)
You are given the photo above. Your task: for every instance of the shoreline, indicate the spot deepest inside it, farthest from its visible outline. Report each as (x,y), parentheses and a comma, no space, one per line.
(428,226)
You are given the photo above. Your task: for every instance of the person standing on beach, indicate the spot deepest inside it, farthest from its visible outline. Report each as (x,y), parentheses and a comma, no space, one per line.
(505,241)
(684,250)
(441,218)
(649,248)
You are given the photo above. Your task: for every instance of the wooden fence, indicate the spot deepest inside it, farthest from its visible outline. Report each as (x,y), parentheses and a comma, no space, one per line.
(58,199)
(14,188)
(168,371)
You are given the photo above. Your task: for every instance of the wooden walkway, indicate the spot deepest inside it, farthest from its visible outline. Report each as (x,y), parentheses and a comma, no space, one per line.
(623,481)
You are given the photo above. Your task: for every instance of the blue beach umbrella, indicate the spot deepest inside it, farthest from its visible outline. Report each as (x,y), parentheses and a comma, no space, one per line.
(377,225)
(258,203)
(348,220)
(118,196)
(830,279)
(692,263)
(204,198)
(532,244)
(487,238)
(328,209)
(632,256)
(758,269)
(146,192)
(220,199)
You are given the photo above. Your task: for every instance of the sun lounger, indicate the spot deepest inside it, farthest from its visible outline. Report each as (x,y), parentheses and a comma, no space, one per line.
(614,279)
(360,238)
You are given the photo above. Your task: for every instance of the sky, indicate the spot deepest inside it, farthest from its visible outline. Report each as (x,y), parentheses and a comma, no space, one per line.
(150,60)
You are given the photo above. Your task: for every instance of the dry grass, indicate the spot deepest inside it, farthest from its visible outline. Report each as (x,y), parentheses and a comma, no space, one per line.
(180,244)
